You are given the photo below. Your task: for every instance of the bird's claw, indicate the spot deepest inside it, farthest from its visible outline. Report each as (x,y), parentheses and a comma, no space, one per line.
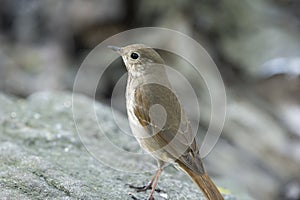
(144,188)
(135,198)
(141,188)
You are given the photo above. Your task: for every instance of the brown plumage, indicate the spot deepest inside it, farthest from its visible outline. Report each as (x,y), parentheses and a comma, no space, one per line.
(163,131)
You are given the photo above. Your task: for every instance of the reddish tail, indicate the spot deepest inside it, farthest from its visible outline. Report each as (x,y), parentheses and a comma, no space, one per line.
(206,185)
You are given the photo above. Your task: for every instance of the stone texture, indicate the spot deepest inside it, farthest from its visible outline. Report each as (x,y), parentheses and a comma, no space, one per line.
(42,156)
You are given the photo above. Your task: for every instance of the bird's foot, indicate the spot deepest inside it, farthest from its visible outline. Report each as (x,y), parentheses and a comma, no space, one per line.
(144,188)
(141,188)
(135,198)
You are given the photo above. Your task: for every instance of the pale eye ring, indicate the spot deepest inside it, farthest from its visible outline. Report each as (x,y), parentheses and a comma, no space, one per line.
(134,55)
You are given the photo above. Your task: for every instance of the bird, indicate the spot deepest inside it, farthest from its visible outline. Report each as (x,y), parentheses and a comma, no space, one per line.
(158,121)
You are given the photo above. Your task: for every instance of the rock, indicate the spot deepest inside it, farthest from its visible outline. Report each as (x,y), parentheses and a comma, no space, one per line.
(253,34)
(46,63)
(43,157)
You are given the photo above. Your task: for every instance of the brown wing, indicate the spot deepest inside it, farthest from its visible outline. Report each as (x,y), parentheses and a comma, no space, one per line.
(152,94)
(175,136)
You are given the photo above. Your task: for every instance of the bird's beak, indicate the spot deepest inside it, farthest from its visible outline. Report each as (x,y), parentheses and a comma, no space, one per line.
(115,48)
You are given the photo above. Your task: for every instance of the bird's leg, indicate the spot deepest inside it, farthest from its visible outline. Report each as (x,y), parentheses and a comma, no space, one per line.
(154,183)
(149,186)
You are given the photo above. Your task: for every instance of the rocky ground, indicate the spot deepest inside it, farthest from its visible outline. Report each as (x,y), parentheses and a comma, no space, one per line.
(42,156)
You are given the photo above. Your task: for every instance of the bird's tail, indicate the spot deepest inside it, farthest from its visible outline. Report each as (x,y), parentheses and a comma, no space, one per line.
(206,185)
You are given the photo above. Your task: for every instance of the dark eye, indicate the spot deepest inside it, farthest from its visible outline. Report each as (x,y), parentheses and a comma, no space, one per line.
(134,55)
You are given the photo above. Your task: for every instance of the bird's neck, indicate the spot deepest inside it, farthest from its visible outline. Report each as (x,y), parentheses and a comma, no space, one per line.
(158,76)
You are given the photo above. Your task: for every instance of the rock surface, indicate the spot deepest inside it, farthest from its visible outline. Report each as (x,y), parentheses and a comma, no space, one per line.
(42,156)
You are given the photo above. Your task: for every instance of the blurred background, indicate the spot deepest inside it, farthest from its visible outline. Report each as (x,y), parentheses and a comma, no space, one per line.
(255,44)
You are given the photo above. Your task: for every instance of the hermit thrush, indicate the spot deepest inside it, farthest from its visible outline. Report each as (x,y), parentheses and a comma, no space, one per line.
(157,119)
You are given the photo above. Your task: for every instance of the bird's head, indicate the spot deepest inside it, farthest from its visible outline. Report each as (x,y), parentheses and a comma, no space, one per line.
(139,58)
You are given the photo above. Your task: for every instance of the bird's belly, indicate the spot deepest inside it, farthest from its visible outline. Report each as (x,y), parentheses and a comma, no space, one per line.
(137,129)
(144,134)
(146,139)
(159,153)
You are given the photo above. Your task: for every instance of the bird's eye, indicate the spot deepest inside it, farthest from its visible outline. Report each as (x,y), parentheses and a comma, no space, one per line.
(134,55)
